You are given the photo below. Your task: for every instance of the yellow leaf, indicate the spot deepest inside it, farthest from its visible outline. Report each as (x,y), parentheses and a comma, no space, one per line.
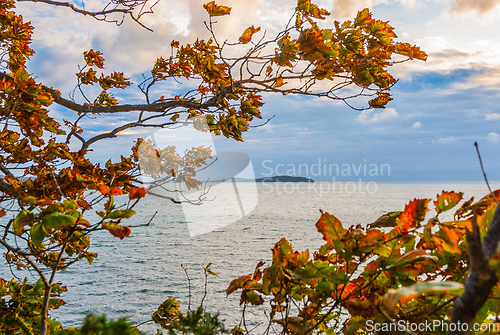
(279,83)
(215,10)
(247,34)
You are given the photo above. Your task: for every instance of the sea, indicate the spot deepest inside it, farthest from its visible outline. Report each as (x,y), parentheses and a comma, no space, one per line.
(132,277)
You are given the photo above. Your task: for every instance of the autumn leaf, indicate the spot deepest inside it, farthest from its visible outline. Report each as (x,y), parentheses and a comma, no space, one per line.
(38,233)
(24,218)
(247,34)
(116,230)
(215,10)
(381,100)
(447,200)
(57,220)
(115,191)
(386,220)
(103,189)
(413,214)
(332,231)
(137,193)
(92,57)
(279,83)
(252,297)
(237,283)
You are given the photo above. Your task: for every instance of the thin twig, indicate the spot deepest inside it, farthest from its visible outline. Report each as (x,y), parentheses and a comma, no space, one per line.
(189,287)
(437,308)
(484,173)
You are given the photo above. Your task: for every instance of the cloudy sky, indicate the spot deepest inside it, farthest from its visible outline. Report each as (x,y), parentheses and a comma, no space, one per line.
(440,107)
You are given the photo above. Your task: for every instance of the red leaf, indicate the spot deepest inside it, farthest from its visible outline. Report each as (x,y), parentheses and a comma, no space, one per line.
(137,193)
(103,189)
(115,191)
(237,283)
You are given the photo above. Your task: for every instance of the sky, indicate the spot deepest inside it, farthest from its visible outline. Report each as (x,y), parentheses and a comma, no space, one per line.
(440,107)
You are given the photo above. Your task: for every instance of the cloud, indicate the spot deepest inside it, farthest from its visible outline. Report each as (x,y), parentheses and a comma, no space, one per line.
(347,9)
(493,138)
(446,140)
(417,125)
(492,116)
(483,6)
(367,117)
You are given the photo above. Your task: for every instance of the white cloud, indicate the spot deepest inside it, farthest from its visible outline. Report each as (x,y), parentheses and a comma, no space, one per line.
(367,117)
(493,138)
(417,125)
(347,9)
(446,140)
(482,6)
(492,116)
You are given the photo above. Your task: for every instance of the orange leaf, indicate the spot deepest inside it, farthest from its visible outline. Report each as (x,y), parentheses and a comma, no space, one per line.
(330,227)
(82,203)
(116,230)
(84,222)
(447,200)
(2,213)
(137,193)
(279,83)
(381,100)
(44,202)
(237,283)
(103,189)
(414,214)
(115,191)
(215,10)
(247,34)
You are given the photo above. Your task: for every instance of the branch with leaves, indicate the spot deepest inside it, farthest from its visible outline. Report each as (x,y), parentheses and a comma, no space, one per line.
(398,270)
(47,189)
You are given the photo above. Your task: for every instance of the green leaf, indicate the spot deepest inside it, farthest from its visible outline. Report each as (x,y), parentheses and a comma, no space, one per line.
(332,231)
(57,220)
(393,297)
(38,233)
(209,271)
(20,76)
(386,220)
(119,214)
(70,204)
(447,200)
(128,213)
(22,219)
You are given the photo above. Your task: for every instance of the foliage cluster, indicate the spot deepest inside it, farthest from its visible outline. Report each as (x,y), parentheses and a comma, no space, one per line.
(49,192)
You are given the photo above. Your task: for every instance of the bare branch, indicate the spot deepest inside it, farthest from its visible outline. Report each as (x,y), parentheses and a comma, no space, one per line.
(78,10)
(119,7)
(481,279)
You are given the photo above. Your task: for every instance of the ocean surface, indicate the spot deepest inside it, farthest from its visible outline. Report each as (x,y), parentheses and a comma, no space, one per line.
(131,277)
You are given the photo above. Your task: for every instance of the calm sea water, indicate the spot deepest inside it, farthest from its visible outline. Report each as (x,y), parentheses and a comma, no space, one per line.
(131,277)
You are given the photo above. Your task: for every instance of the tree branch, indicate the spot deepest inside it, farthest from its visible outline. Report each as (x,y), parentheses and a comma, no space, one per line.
(78,10)
(481,279)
